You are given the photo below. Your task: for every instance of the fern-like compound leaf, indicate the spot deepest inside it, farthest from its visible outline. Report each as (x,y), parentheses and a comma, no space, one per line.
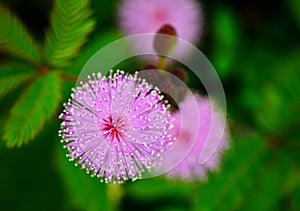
(13,76)
(70,26)
(15,39)
(29,114)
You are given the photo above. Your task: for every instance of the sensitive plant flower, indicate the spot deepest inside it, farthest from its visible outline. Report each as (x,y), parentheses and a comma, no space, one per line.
(116,127)
(192,136)
(148,16)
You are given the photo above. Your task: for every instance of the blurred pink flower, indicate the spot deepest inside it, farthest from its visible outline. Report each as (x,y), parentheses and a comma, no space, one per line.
(192,136)
(116,127)
(148,16)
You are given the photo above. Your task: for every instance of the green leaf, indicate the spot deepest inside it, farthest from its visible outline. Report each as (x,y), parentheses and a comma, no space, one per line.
(84,192)
(280,94)
(268,115)
(226,36)
(15,39)
(35,106)
(294,7)
(13,76)
(70,26)
(158,187)
(225,190)
(29,170)
(95,44)
(2,118)
(160,193)
(267,192)
(295,205)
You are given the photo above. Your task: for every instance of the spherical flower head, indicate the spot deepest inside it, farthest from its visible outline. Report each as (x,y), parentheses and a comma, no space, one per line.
(148,16)
(188,134)
(116,127)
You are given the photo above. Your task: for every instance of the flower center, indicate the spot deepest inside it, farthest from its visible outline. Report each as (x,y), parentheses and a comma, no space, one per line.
(113,128)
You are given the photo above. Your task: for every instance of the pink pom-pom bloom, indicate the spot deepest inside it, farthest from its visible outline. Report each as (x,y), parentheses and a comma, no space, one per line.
(116,127)
(148,16)
(190,135)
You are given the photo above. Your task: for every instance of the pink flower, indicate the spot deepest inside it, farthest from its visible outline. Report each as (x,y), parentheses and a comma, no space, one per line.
(116,127)
(191,135)
(148,16)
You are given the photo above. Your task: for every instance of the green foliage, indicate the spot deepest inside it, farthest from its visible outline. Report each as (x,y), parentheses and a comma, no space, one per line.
(103,13)
(28,174)
(157,188)
(2,118)
(277,93)
(159,193)
(257,57)
(70,26)
(15,39)
(294,7)
(295,200)
(13,76)
(95,43)
(226,37)
(225,190)
(84,192)
(32,109)
(264,193)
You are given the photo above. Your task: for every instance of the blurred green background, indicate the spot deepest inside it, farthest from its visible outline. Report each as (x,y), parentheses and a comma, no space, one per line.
(255,48)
